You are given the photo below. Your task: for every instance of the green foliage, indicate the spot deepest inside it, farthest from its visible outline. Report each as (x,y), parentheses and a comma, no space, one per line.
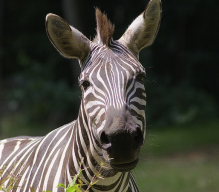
(77,183)
(190,172)
(180,158)
(11,178)
(178,138)
(178,105)
(22,124)
(39,95)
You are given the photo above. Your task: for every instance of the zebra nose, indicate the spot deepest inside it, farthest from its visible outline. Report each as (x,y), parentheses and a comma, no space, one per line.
(120,137)
(138,137)
(105,140)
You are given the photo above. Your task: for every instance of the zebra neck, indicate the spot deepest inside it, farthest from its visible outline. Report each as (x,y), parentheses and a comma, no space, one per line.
(87,156)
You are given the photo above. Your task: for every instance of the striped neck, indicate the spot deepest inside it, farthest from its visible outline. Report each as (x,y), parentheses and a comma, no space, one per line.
(94,165)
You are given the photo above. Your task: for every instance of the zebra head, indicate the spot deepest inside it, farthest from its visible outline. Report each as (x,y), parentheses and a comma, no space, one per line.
(113,93)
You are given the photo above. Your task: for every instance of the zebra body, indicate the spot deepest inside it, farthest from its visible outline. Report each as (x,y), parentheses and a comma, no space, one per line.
(33,161)
(110,128)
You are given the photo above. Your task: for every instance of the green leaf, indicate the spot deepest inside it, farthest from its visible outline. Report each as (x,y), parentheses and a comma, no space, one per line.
(71,189)
(4,189)
(61,185)
(73,182)
(75,179)
(74,188)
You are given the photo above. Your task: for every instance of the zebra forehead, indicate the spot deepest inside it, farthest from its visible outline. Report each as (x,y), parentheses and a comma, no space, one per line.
(116,55)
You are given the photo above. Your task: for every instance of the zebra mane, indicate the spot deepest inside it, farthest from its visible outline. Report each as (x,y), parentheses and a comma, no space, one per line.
(105,28)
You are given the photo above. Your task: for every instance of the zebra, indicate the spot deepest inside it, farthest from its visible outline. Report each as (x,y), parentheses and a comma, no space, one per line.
(111,127)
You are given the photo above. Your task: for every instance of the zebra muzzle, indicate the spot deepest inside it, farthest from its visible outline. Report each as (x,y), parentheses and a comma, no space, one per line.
(121,139)
(122,147)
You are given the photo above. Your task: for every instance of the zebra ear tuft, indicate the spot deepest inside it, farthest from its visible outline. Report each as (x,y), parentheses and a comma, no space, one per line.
(105,28)
(143,30)
(69,42)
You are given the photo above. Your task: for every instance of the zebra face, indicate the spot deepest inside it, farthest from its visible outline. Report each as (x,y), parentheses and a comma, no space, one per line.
(114,100)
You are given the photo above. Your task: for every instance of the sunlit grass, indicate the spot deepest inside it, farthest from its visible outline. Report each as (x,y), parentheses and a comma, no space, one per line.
(181,158)
(171,139)
(177,175)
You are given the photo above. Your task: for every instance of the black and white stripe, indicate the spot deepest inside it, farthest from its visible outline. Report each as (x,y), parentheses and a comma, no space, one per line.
(110,127)
(44,162)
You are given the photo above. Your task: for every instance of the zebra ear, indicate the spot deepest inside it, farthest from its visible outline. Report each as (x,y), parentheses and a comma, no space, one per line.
(69,42)
(143,30)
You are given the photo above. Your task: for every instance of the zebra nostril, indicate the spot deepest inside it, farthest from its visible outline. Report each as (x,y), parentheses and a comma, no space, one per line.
(104,139)
(138,138)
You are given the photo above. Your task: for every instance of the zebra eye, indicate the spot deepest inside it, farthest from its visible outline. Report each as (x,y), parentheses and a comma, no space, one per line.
(140,77)
(85,84)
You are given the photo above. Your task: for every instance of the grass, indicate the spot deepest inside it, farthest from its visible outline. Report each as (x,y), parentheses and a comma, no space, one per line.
(165,140)
(171,175)
(182,158)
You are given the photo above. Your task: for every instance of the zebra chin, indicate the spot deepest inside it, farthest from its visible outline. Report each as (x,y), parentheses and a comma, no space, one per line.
(121,161)
(125,167)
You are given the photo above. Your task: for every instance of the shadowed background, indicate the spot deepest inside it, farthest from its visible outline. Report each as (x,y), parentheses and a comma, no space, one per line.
(39,89)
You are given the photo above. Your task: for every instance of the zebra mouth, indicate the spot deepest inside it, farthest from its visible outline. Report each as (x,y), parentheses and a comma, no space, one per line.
(125,167)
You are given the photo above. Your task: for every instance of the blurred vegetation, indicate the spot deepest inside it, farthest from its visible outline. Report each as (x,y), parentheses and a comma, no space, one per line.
(179,174)
(38,87)
(174,139)
(180,158)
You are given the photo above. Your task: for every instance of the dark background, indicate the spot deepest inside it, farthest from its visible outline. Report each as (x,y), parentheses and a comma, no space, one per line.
(39,89)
